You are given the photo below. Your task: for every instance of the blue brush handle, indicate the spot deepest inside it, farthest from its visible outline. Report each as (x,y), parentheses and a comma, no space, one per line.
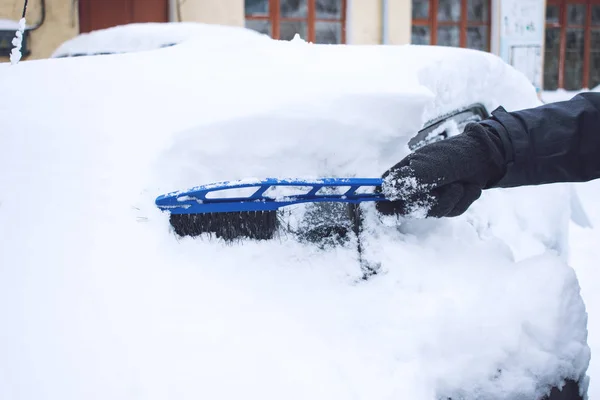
(195,200)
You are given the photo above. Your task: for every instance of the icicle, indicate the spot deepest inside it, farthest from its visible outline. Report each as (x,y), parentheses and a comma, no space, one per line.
(15,55)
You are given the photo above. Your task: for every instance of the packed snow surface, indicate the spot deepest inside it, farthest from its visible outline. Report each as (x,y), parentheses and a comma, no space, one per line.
(584,256)
(551,96)
(149,36)
(99,299)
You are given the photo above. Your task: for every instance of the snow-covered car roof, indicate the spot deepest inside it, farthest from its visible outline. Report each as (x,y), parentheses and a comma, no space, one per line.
(150,36)
(100,295)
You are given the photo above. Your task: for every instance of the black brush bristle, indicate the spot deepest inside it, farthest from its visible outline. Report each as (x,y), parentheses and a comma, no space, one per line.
(325,224)
(258,225)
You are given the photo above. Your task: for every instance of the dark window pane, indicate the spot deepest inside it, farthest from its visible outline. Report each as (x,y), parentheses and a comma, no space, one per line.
(574,59)
(596,15)
(420,9)
(420,35)
(478,10)
(257,7)
(477,38)
(594,58)
(260,25)
(328,32)
(576,14)
(329,9)
(448,10)
(288,29)
(551,58)
(294,8)
(448,36)
(552,14)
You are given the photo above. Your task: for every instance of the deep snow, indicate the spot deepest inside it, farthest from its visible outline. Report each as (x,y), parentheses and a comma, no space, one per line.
(550,96)
(100,300)
(149,36)
(585,254)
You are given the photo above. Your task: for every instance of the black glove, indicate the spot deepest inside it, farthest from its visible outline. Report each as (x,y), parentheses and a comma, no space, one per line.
(442,179)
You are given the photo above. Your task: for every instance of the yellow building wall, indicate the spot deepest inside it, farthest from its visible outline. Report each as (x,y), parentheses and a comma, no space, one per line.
(223,12)
(61,23)
(400,21)
(365,22)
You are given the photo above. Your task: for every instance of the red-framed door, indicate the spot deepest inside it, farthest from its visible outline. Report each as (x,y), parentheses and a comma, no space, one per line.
(102,14)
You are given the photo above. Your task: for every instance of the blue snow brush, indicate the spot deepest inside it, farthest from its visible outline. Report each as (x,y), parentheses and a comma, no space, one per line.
(249,209)
(201,199)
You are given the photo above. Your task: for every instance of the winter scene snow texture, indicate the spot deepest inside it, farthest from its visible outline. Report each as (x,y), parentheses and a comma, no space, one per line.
(99,299)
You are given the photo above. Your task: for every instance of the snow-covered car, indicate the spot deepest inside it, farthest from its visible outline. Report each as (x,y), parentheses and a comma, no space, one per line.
(100,298)
(152,35)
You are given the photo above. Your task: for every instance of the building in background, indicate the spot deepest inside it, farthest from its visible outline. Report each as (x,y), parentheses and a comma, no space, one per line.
(317,21)
(572,52)
(322,21)
(556,43)
(460,23)
(512,29)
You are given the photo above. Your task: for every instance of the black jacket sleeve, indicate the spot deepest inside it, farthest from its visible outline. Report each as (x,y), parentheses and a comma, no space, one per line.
(557,142)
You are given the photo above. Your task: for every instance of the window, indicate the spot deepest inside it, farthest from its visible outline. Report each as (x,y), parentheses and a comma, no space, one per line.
(459,23)
(316,21)
(572,45)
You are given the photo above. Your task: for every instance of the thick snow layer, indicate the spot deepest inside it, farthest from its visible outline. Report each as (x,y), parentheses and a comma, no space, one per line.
(150,36)
(99,299)
(584,258)
(550,96)
(9,24)
(584,252)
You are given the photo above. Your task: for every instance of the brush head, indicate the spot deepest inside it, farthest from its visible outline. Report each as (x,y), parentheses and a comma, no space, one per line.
(325,224)
(258,225)
(204,209)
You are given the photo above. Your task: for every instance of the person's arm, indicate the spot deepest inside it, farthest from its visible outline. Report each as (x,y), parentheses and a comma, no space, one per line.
(553,143)
(557,142)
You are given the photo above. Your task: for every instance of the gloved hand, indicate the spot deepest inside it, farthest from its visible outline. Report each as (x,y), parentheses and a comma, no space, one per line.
(442,179)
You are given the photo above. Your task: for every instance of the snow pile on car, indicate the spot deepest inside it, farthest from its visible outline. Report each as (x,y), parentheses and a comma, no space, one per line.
(100,299)
(151,35)
(584,253)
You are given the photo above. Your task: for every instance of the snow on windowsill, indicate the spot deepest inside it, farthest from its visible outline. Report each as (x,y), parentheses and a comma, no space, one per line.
(9,24)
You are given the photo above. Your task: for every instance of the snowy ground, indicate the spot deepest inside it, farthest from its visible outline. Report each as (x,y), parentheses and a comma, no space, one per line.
(100,300)
(585,256)
(550,96)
